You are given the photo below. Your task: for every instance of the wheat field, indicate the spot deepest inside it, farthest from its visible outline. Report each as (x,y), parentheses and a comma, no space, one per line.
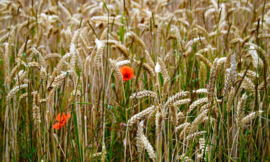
(134,80)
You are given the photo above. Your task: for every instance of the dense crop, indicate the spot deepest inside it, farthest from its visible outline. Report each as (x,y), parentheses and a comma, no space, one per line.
(142,80)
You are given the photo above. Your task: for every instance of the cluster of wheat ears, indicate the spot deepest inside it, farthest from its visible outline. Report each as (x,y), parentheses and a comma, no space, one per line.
(200,91)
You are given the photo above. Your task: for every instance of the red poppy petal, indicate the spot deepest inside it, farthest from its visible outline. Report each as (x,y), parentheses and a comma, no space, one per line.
(57,126)
(127,73)
(64,122)
(63,116)
(68,116)
(58,117)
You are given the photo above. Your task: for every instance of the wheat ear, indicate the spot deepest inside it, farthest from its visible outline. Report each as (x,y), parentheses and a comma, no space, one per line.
(14,91)
(239,111)
(250,117)
(198,120)
(140,115)
(194,135)
(148,146)
(212,80)
(176,97)
(197,103)
(115,69)
(139,142)
(144,93)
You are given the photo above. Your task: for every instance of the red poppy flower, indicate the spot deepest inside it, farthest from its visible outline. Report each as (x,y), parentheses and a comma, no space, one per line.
(62,119)
(127,73)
